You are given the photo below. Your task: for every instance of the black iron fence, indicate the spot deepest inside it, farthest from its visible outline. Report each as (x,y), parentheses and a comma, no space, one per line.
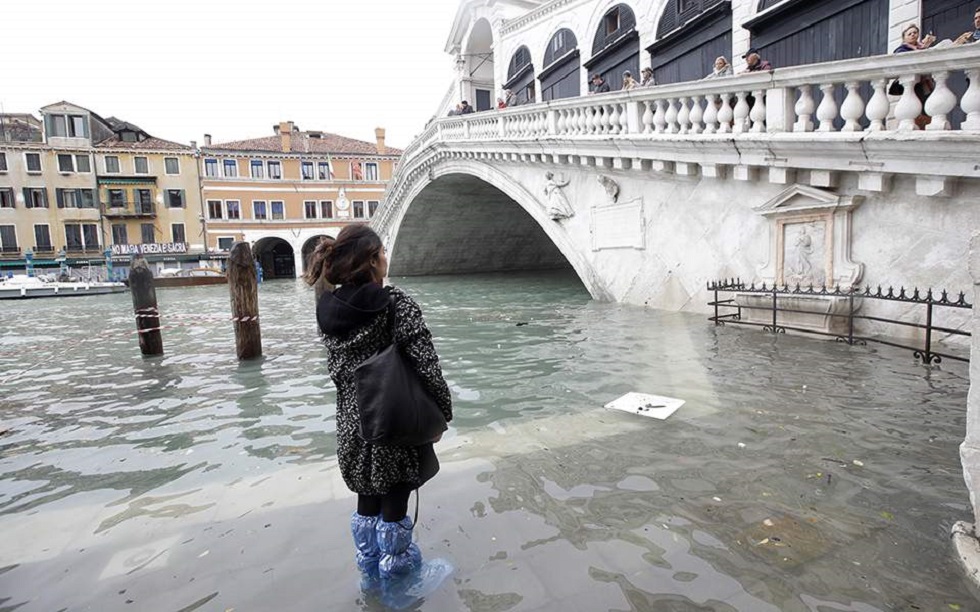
(730,310)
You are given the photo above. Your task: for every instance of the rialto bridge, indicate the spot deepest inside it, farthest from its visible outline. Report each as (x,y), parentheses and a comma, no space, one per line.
(675,185)
(843,166)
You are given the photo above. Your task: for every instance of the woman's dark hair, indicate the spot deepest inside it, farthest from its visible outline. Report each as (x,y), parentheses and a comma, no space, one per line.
(347,260)
(316,269)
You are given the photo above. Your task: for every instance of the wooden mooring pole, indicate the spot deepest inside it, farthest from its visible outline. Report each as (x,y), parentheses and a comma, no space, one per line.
(145,307)
(244,287)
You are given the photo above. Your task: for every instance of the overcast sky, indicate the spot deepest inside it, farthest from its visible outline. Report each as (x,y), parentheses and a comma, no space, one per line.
(183,68)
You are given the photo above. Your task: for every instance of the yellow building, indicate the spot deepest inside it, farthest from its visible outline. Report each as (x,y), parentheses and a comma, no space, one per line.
(150,194)
(74,185)
(282,192)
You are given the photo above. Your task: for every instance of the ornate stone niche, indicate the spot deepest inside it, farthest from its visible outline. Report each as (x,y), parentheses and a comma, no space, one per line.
(809,244)
(810,239)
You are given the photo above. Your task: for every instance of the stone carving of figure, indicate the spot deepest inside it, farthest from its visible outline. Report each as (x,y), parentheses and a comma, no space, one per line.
(804,248)
(558,207)
(611,187)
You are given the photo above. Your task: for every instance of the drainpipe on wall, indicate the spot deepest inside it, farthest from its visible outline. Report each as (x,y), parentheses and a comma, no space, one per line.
(200,192)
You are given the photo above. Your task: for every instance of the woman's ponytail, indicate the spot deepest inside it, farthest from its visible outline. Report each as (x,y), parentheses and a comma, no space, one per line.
(319,264)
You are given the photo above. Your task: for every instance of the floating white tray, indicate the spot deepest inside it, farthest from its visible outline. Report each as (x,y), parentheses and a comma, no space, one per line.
(643,404)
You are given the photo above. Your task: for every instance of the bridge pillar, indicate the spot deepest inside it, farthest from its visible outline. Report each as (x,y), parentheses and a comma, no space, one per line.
(964,535)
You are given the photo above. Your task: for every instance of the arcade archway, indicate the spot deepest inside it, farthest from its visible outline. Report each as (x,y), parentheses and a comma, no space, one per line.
(276,257)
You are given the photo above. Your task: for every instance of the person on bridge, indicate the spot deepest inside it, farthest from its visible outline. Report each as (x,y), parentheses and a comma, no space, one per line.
(629,82)
(973,36)
(754,61)
(721,68)
(599,85)
(646,77)
(355,323)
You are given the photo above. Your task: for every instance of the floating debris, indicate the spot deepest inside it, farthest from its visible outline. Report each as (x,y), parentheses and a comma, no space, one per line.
(656,406)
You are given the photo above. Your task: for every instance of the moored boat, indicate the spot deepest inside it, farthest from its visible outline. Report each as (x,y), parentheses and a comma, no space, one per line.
(191,277)
(21,286)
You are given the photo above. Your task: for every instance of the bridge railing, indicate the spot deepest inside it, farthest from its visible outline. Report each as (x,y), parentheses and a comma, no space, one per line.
(796,99)
(876,95)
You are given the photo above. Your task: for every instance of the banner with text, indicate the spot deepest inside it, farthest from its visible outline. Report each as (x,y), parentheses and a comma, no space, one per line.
(153,248)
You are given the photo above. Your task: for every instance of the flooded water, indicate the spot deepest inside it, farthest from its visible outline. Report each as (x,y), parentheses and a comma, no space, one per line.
(799,475)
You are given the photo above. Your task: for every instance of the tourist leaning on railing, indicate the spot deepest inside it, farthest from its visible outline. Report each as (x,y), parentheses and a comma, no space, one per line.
(754,61)
(646,78)
(629,82)
(923,84)
(599,85)
(967,38)
(721,69)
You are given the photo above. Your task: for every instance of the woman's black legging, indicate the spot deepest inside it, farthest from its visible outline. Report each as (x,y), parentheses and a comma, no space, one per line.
(392,506)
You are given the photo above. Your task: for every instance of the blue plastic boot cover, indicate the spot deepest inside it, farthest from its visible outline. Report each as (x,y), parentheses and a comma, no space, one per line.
(404,592)
(364,530)
(399,556)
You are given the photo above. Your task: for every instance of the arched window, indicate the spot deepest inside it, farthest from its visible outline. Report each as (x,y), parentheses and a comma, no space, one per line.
(520,76)
(560,75)
(616,46)
(690,35)
(677,13)
(785,34)
(478,57)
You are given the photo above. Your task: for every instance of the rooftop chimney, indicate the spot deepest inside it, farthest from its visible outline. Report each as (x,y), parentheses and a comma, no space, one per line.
(207,140)
(285,132)
(194,144)
(379,136)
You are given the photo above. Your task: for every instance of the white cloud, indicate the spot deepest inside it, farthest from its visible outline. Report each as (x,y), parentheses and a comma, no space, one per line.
(182,68)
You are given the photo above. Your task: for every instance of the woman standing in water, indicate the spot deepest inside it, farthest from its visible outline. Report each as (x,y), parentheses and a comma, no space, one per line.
(354,320)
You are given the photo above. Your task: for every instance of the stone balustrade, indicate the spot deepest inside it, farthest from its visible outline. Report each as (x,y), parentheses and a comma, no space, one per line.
(823,119)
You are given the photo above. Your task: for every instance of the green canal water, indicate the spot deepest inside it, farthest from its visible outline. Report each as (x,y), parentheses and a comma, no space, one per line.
(799,475)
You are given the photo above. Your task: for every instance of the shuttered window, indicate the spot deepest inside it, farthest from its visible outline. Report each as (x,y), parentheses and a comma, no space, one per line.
(42,238)
(119,234)
(8,238)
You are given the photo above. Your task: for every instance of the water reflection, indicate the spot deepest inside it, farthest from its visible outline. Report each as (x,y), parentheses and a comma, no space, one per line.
(799,475)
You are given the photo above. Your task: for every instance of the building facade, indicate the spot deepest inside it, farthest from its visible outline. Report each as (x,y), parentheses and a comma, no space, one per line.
(283,192)
(76,189)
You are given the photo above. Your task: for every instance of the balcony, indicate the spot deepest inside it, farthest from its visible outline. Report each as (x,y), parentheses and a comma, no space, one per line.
(43,249)
(128,210)
(77,250)
(9,252)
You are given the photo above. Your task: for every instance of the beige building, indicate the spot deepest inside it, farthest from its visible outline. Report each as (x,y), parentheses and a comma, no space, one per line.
(150,194)
(283,192)
(74,185)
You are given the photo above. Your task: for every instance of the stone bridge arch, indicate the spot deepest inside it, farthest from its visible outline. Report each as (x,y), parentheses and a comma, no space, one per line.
(463,215)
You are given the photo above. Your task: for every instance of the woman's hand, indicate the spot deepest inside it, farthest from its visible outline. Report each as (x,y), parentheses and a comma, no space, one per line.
(928,40)
(963,38)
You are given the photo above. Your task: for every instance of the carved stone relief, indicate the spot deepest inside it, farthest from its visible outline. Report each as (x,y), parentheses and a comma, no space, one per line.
(558,206)
(810,239)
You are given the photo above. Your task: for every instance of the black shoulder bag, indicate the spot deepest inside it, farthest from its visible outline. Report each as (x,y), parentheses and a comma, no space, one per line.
(395,407)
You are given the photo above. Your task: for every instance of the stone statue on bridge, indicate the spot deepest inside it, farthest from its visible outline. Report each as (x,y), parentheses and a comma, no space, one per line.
(558,206)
